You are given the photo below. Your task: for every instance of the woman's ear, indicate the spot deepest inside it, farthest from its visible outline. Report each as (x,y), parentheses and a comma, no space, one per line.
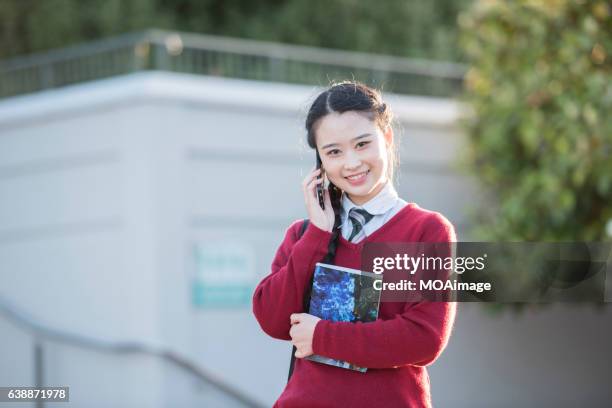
(389,136)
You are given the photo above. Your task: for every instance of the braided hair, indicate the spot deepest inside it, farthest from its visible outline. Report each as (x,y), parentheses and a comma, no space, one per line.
(343,97)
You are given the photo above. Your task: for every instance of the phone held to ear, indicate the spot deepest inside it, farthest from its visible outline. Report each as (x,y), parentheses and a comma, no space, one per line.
(320,185)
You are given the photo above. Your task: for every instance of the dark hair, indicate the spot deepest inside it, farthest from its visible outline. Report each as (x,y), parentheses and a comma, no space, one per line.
(343,97)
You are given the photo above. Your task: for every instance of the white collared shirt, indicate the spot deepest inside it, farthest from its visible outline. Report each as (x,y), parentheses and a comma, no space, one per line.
(383,206)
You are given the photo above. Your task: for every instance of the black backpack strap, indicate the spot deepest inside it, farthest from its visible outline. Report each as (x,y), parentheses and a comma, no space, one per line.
(306,301)
(303,228)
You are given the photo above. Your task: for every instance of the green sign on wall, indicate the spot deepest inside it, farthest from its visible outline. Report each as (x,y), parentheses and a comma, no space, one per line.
(224,274)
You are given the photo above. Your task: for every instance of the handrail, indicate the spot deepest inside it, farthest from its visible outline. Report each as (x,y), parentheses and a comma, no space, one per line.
(72,51)
(326,56)
(244,46)
(224,56)
(40,331)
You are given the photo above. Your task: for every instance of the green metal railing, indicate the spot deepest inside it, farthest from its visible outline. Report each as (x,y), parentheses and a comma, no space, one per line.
(224,57)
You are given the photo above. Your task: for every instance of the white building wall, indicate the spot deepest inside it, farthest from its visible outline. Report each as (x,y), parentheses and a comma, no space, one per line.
(105,188)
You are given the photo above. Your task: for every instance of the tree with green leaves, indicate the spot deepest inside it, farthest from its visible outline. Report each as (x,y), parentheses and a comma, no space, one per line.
(540,89)
(423,29)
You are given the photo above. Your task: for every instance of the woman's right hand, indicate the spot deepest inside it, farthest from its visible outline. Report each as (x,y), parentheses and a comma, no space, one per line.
(323,219)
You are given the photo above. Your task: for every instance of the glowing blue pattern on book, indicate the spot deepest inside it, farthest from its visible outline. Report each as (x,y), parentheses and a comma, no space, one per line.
(343,295)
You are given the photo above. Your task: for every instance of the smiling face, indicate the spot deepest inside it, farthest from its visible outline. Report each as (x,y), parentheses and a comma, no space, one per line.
(354,153)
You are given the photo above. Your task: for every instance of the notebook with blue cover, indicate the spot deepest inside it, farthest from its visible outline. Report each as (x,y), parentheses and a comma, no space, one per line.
(342,294)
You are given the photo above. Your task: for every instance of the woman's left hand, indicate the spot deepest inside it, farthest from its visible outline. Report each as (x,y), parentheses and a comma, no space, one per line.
(302,332)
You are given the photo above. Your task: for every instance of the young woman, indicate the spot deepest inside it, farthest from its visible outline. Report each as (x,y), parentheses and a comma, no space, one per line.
(350,127)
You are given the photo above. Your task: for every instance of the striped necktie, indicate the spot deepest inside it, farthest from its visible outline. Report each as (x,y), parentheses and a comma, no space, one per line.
(359,217)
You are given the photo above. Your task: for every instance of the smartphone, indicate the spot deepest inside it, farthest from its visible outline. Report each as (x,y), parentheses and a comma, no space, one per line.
(320,185)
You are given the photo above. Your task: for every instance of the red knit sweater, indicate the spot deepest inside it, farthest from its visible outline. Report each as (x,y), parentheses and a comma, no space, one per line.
(396,347)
